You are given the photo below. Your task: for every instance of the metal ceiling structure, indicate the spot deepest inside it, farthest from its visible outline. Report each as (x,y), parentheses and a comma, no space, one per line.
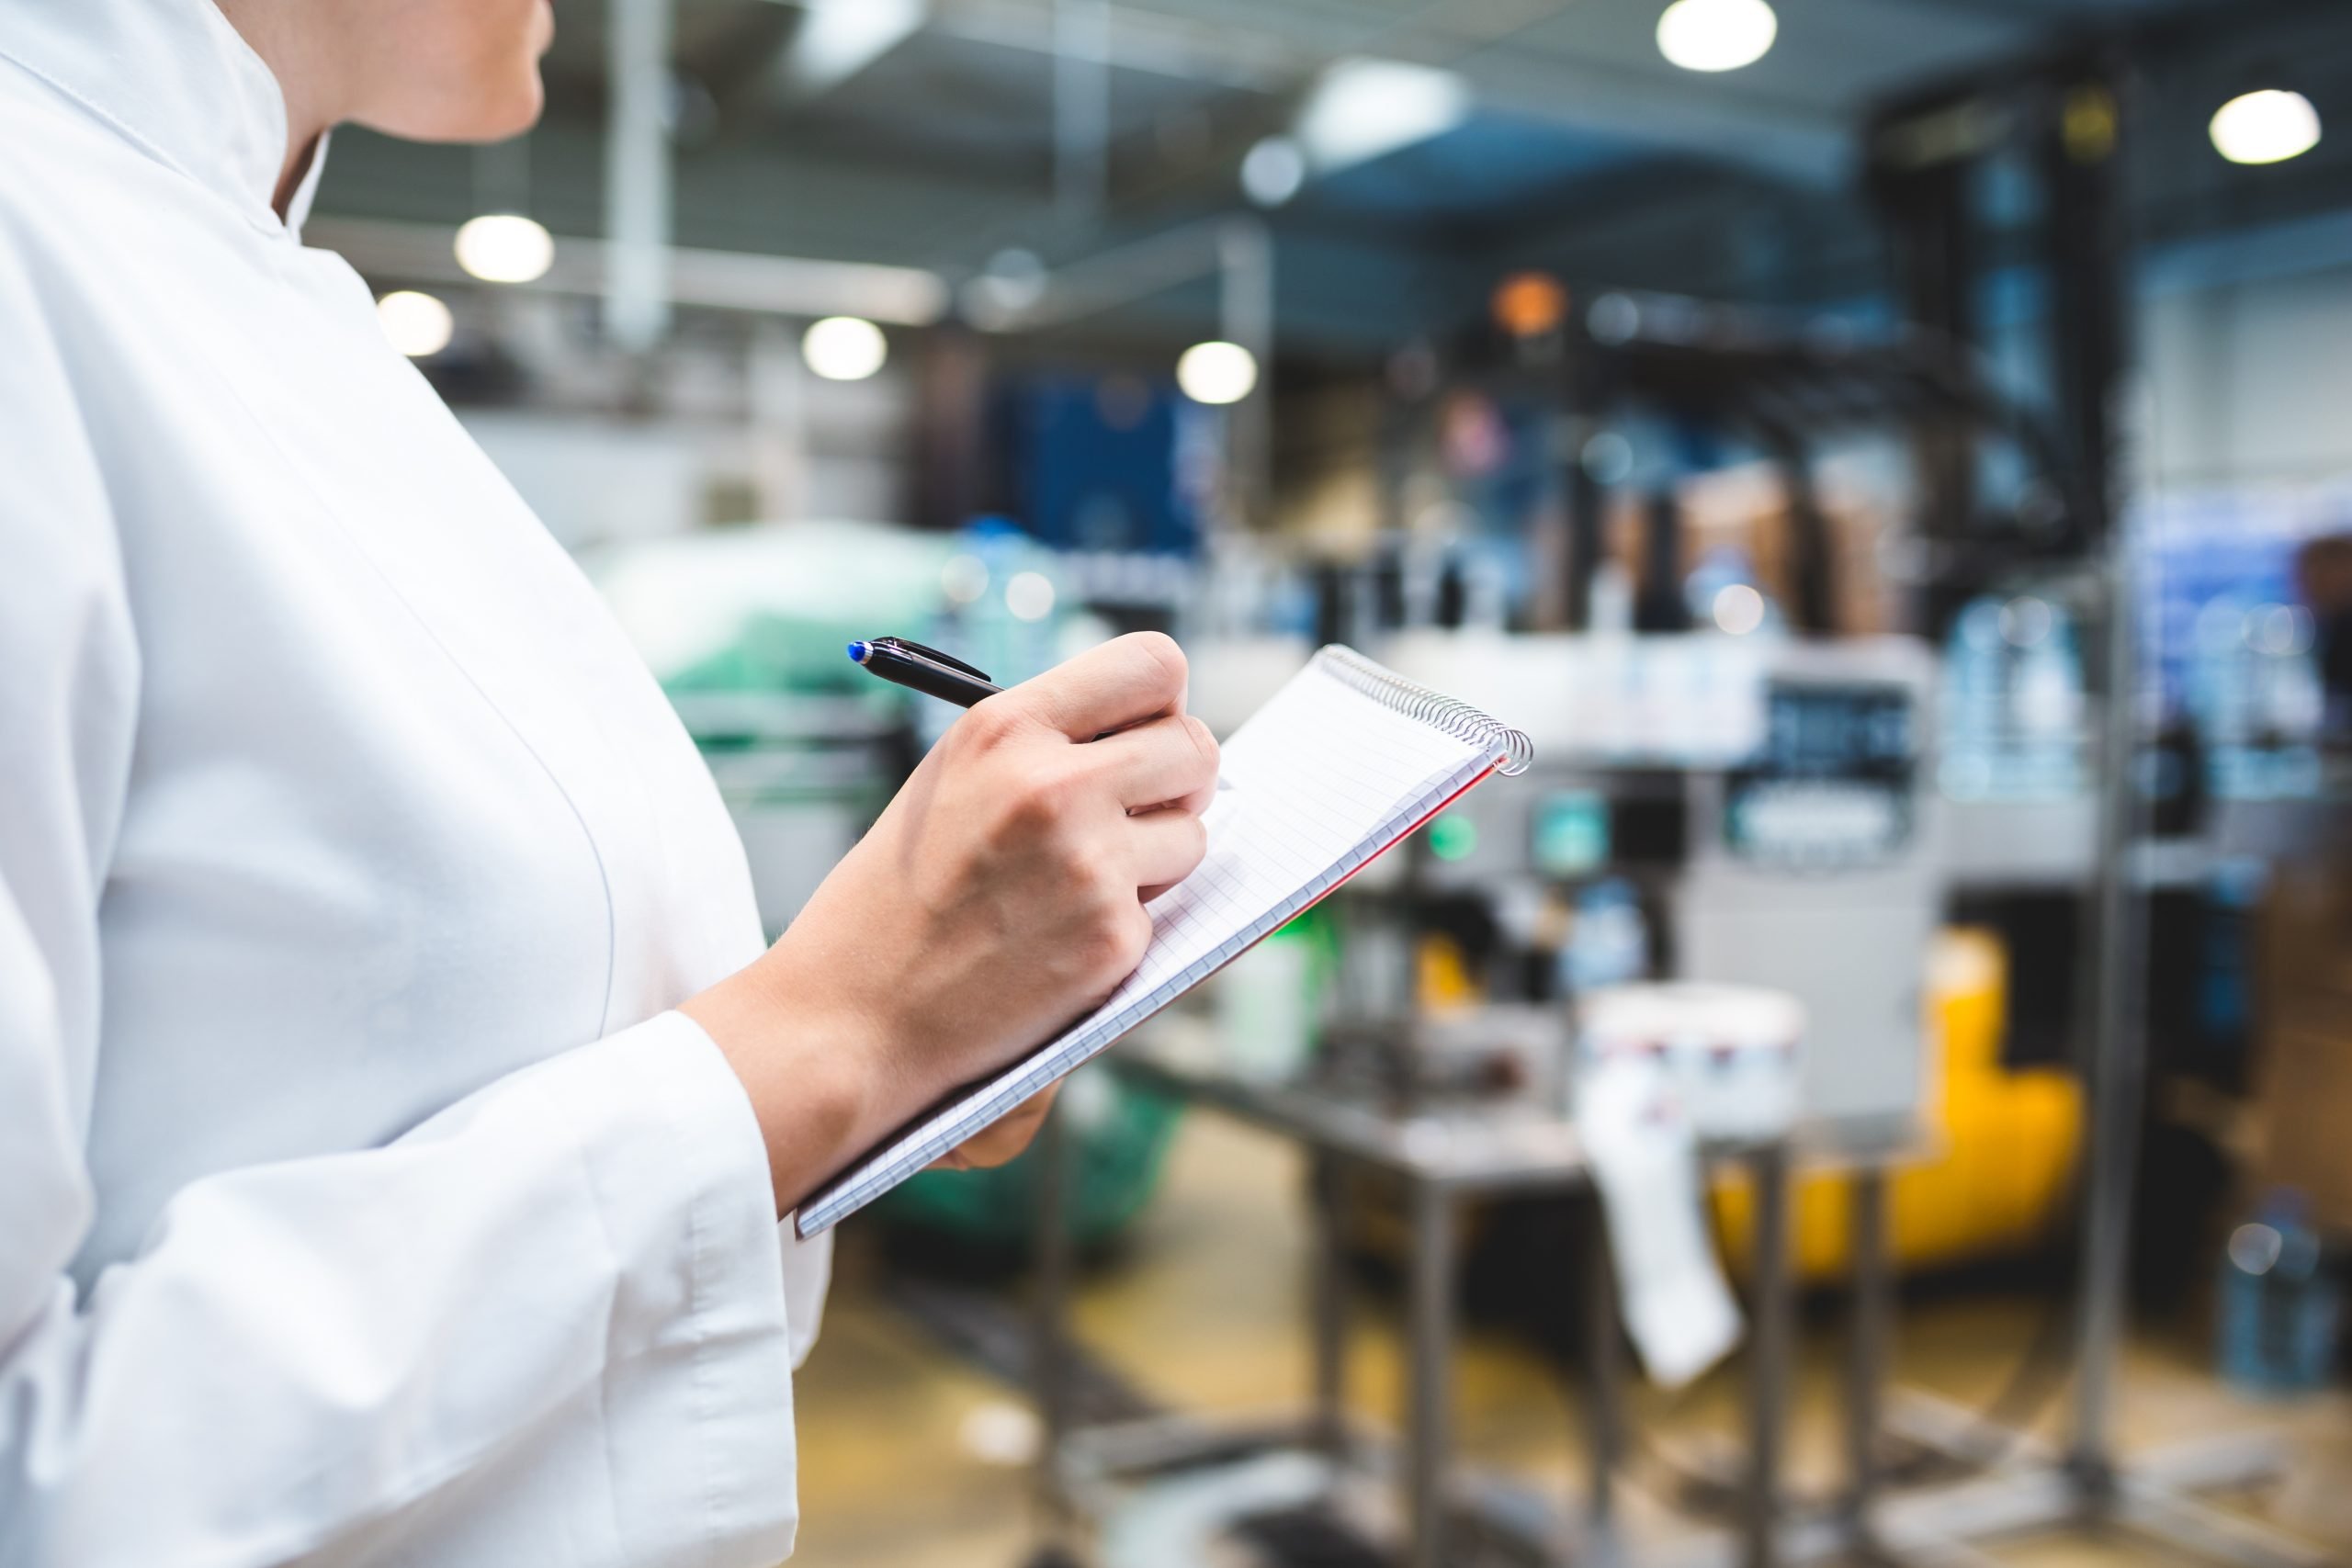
(933,140)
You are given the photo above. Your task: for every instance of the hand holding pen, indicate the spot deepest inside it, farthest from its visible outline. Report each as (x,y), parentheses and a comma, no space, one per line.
(907,663)
(999,895)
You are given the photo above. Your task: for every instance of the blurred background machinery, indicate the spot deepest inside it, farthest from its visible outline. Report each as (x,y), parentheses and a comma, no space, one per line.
(1889,455)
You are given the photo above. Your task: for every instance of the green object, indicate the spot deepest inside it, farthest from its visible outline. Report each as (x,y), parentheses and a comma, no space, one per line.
(1120,1137)
(1453,838)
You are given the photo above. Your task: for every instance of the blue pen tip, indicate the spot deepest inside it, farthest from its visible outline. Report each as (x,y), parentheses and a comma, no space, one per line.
(858,650)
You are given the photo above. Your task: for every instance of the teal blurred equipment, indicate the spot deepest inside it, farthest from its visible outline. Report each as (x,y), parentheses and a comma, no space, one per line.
(744,629)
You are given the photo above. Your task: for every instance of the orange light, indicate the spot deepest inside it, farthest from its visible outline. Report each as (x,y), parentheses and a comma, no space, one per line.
(1529,304)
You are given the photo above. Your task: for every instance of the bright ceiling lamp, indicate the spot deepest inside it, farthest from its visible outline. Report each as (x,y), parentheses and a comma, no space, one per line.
(838,38)
(505,247)
(417,324)
(1716,35)
(1738,609)
(1218,373)
(844,348)
(2268,127)
(1361,109)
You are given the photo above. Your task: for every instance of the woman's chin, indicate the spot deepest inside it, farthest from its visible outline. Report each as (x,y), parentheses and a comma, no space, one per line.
(492,115)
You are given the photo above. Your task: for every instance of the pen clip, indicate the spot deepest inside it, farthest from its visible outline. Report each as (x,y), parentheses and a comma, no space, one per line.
(908,645)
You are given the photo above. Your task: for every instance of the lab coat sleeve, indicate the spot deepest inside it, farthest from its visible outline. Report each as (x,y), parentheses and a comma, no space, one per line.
(556,1312)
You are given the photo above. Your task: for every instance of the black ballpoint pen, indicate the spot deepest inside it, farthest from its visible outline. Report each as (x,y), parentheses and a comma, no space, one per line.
(924,670)
(930,671)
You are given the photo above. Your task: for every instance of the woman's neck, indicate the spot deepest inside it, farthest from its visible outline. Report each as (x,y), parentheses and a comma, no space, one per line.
(292,37)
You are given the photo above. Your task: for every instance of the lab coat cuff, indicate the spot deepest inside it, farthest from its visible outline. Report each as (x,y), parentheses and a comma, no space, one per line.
(730,1340)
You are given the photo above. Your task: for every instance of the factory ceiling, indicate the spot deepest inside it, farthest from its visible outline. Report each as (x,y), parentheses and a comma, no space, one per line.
(941,133)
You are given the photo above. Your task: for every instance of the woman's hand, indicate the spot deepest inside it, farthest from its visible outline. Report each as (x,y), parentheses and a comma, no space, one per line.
(999,896)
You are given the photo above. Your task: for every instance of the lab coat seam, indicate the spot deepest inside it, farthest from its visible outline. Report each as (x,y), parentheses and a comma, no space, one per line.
(555,779)
(706,1267)
(584,1157)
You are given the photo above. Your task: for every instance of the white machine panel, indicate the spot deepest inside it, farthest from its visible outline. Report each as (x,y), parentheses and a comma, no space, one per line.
(1818,870)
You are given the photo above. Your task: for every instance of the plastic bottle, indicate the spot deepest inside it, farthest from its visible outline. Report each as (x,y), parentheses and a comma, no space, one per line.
(1609,944)
(2279,1308)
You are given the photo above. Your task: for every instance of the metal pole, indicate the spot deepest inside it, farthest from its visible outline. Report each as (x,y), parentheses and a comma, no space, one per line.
(637,175)
(1431,1333)
(1604,1383)
(1246,307)
(1329,1304)
(2117,1065)
(1868,1338)
(1081,107)
(1049,1348)
(1770,1356)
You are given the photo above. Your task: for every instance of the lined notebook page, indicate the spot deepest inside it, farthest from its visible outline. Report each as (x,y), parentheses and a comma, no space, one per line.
(1324,778)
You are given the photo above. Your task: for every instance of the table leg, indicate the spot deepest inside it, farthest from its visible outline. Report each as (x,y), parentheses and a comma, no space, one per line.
(1604,1376)
(1769,1362)
(1049,1344)
(1867,1349)
(1426,1441)
(1329,1305)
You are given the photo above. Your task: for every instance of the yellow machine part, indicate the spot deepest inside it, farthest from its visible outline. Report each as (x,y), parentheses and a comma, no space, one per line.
(2000,1146)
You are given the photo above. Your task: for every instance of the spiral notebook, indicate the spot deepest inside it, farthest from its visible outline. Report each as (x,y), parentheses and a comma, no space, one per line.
(1344,761)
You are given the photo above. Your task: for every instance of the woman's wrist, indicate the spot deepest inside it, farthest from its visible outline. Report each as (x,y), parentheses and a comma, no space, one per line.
(817,1069)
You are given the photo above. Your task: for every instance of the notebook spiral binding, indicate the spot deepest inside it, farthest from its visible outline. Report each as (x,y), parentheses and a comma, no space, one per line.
(1456,718)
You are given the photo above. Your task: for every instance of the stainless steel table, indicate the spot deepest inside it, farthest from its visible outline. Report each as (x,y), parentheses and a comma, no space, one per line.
(1440,1159)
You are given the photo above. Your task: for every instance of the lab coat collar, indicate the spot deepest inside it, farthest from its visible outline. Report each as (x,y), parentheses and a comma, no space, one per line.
(175,78)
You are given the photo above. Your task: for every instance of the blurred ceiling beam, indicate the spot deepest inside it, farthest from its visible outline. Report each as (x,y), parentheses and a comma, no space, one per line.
(2033,14)
(1808,147)
(1792,141)
(1143,41)
(385,252)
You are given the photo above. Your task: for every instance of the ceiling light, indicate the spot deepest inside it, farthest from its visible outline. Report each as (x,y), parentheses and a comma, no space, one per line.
(1217,372)
(502,247)
(1362,110)
(1738,609)
(418,325)
(2268,127)
(838,38)
(1272,170)
(1029,596)
(844,348)
(1716,35)
(1530,304)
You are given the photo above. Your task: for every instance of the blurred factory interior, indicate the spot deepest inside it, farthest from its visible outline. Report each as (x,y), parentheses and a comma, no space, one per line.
(1895,459)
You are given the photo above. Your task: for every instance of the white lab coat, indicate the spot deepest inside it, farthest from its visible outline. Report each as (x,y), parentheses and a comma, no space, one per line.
(359,1199)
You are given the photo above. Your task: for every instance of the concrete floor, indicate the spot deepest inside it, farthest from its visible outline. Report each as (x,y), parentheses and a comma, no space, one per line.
(907,1453)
